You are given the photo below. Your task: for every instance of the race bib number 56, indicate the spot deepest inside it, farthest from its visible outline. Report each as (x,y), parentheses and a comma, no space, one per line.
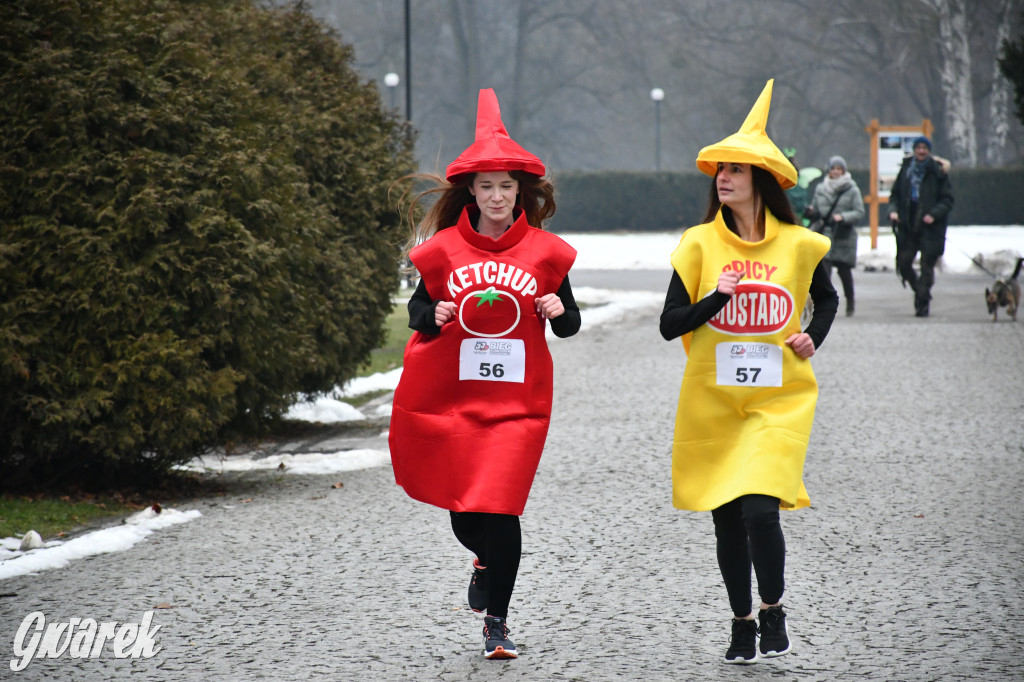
(748,364)
(492,360)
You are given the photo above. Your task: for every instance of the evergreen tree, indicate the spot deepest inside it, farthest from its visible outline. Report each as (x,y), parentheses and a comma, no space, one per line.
(194,228)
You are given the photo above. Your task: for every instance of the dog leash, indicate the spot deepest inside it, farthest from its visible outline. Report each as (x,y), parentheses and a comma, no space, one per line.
(975,261)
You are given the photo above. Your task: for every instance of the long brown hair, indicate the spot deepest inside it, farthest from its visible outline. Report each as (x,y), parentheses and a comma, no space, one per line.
(536,199)
(767,193)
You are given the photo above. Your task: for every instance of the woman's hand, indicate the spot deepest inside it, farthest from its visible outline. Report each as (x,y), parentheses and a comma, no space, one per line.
(550,306)
(801,345)
(444,312)
(728,280)
(837,218)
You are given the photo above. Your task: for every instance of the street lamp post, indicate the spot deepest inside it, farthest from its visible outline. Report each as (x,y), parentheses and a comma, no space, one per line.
(657,94)
(408,61)
(391,80)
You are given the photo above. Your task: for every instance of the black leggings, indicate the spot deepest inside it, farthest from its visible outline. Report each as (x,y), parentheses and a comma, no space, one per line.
(749,533)
(497,541)
(845,276)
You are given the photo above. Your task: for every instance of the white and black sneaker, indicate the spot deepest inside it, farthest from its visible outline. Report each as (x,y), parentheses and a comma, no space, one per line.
(743,644)
(774,637)
(496,642)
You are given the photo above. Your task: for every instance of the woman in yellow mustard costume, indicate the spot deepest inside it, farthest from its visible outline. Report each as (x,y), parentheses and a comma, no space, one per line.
(748,395)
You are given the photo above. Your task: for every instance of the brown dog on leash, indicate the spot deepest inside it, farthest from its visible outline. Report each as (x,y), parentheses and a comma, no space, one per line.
(1005,293)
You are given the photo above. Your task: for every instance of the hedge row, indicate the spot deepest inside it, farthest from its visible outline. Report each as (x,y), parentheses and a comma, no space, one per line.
(650,201)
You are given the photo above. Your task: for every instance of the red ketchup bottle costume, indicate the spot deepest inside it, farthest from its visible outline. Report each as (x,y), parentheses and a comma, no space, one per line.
(471,412)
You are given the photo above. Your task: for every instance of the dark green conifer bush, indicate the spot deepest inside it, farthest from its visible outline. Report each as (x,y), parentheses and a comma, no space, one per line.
(194,228)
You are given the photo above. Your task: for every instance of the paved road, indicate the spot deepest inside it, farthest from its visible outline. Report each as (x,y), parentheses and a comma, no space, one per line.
(909,565)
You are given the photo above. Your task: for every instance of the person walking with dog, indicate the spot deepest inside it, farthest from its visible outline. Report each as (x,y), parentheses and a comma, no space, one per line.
(471,411)
(748,393)
(919,202)
(835,210)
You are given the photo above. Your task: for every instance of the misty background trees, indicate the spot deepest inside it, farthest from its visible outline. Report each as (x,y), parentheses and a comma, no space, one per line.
(574,76)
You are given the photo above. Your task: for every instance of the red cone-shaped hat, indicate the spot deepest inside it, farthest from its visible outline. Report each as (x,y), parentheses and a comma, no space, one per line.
(493,150)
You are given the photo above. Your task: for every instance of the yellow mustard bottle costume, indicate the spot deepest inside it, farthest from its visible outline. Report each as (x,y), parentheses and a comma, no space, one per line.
(747,400)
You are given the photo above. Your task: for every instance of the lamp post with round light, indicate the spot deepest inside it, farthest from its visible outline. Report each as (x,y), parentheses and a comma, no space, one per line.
(657,94)
(391,80)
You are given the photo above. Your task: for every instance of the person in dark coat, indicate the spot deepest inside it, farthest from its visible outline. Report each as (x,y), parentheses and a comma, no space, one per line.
(835,209)
(919,203)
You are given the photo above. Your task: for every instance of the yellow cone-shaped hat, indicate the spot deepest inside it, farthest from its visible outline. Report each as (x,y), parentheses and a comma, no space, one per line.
(750,145)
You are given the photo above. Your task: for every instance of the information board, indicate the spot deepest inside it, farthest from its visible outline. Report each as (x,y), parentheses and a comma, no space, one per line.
(893,147)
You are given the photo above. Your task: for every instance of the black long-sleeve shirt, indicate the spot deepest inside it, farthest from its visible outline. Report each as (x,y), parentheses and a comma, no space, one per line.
(422,306)
(680,315)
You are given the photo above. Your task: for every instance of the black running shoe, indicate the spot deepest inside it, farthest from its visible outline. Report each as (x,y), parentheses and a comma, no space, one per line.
(774,638)
(743,644)
(496,641)
(478,588)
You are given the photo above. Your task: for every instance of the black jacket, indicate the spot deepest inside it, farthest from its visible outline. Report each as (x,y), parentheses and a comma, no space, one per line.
(935,199)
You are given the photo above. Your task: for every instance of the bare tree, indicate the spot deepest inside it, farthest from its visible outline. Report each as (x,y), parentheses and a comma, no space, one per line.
(999,100)
(956,78)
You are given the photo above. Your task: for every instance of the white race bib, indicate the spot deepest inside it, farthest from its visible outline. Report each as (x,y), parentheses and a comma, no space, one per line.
(748,364)
(483,359)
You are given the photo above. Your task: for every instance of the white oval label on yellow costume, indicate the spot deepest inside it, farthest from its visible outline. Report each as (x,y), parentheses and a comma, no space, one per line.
(492,360)
(748,364)
(756,309)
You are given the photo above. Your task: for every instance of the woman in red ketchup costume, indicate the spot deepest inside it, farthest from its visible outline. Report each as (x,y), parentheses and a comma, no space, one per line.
(471,411)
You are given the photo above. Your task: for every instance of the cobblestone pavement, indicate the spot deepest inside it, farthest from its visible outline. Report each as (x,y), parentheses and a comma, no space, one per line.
(909,565)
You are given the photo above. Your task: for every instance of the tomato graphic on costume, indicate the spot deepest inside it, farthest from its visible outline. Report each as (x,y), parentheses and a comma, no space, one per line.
(490,313)
(471,412)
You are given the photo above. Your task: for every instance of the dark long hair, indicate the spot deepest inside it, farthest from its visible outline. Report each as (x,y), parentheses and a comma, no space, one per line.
(536,199)
(767,192)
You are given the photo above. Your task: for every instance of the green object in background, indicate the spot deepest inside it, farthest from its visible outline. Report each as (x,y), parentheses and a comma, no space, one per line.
(806,175)
(800,195)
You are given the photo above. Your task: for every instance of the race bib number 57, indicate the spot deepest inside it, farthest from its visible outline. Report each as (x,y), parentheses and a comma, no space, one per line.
(492,360)
(748,364)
